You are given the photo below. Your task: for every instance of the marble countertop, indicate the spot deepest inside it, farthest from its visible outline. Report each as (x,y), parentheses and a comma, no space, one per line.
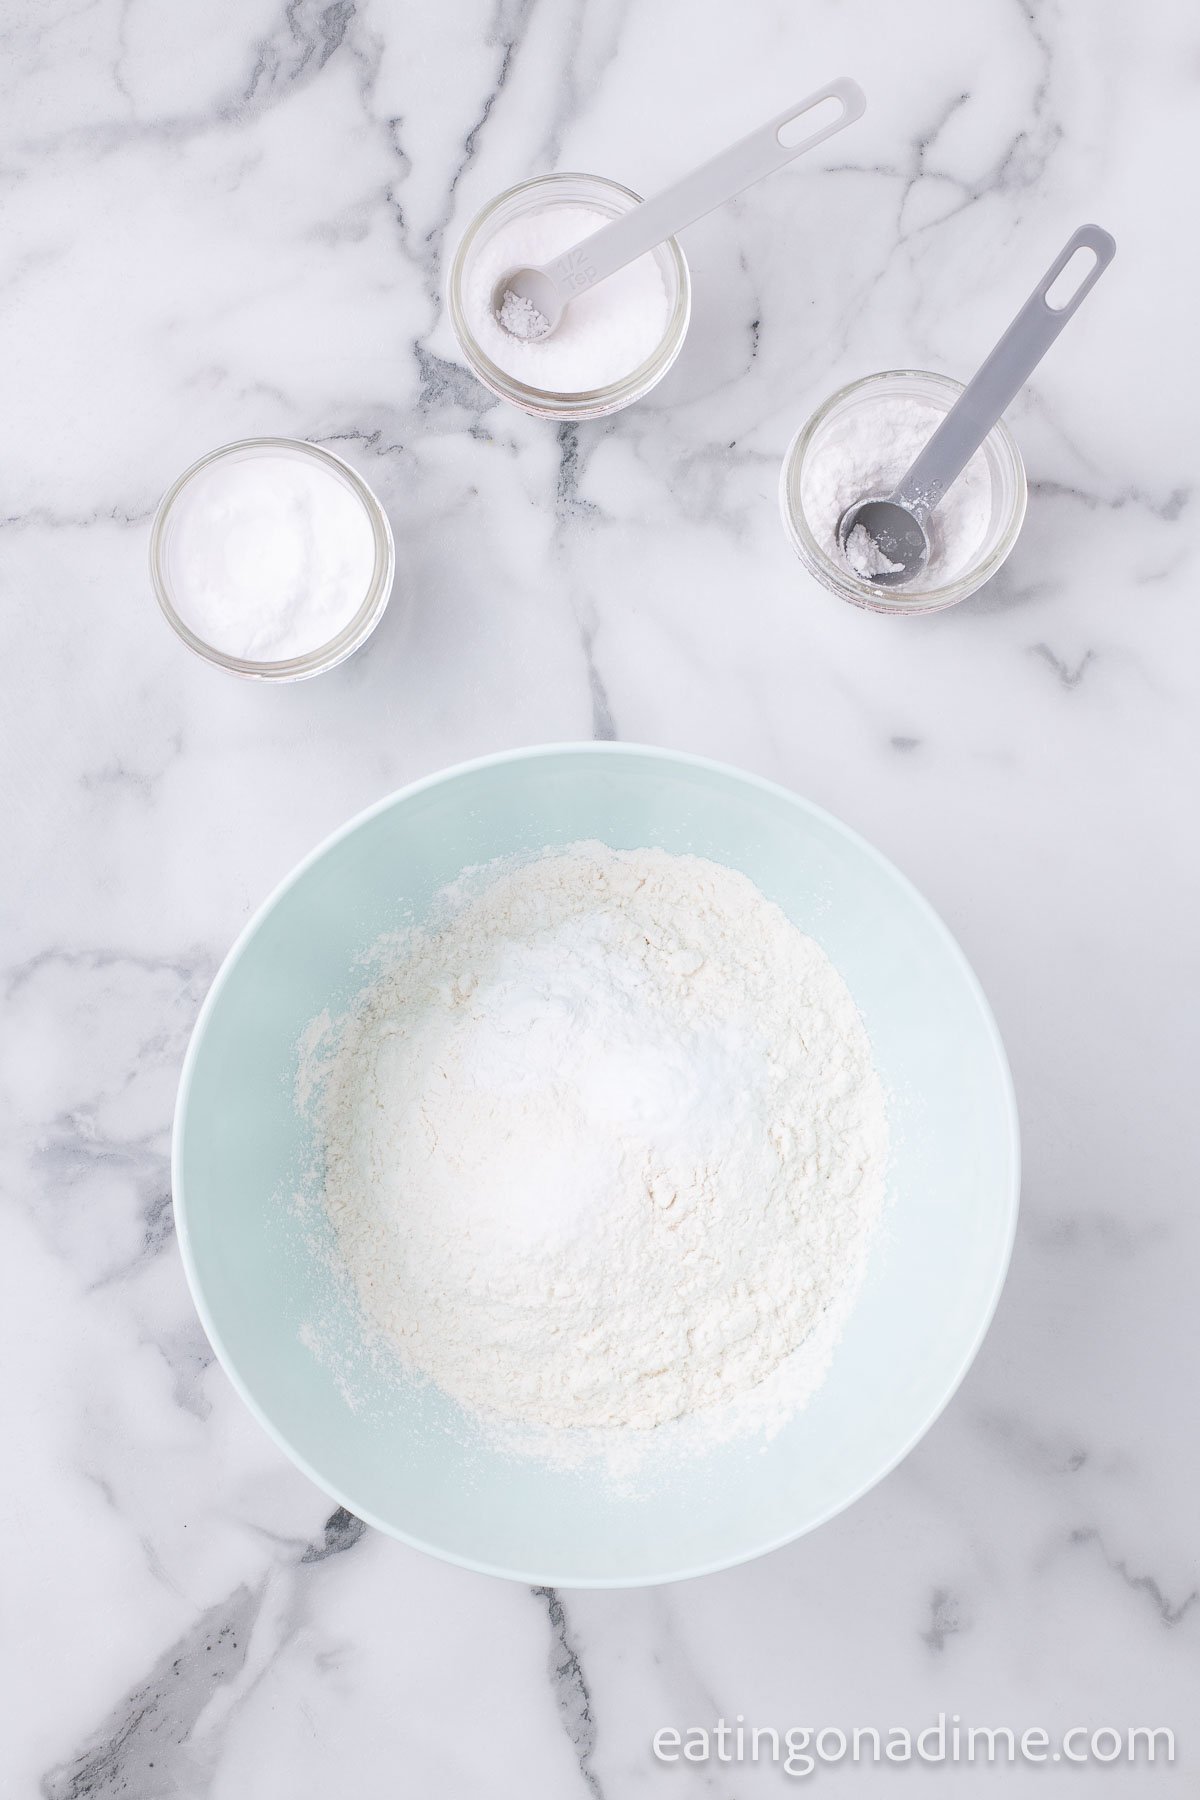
(235,219)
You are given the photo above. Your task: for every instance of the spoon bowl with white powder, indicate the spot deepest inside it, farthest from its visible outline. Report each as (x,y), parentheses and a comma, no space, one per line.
(595,1165)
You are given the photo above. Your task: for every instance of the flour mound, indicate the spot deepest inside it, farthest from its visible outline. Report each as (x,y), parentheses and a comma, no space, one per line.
(605,1147)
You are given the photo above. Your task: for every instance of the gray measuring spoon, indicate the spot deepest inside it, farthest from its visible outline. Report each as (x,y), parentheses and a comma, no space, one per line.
(896,522)
(529,302)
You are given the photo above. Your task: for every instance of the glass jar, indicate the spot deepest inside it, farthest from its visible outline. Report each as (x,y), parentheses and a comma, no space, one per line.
(611,199)
(1009,493)
(357,629)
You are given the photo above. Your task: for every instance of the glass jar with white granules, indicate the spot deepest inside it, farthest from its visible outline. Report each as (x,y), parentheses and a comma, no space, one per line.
(614,343)
(272,558)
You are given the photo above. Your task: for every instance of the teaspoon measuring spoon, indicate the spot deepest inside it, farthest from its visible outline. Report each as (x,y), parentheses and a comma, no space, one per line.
(897,522)
(530,301)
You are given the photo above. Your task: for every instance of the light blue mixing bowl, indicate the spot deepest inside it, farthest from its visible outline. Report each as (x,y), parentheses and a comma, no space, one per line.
(403,1458)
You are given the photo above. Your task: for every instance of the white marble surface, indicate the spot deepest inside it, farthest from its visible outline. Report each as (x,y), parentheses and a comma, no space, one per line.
(234,218)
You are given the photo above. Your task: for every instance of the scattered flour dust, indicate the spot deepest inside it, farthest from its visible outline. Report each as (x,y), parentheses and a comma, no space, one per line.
(603,1148)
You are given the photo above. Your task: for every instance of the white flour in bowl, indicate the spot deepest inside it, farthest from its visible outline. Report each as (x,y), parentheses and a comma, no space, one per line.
(605,1147)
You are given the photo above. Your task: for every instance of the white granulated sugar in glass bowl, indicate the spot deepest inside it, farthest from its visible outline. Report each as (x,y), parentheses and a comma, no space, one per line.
(604,334)
(604,1148)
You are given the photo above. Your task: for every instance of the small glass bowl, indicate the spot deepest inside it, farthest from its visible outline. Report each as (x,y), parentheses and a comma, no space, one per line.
(1009,495)
(607,197)
(352,635)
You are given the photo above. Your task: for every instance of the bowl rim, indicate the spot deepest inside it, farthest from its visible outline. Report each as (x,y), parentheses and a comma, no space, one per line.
(599,748)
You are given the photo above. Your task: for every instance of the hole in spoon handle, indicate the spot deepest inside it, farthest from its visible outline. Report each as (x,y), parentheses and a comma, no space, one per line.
(838,103)
(1076,270)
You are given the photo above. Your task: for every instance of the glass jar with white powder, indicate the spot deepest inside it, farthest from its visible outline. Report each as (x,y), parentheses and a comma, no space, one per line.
(614,343)
(272,558)
(859,443)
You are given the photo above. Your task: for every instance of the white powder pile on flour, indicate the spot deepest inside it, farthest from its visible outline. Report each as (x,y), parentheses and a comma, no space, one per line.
(604,1147)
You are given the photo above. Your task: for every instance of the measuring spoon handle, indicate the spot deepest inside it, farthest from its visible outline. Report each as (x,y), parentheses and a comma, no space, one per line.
(707,187)
(1004,373)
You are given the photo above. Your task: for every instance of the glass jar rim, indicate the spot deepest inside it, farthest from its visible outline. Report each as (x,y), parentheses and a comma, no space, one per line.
(553,400)
(858,590)
(356,630)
